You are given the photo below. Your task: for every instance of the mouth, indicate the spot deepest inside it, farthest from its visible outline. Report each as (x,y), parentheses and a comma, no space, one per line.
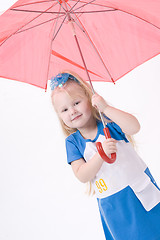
(77,117)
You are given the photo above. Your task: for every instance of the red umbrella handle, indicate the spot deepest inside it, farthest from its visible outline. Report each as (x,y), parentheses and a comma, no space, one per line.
(101,151)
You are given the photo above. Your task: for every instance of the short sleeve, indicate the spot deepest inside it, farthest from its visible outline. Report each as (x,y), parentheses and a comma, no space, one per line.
(72,151)
(116,132)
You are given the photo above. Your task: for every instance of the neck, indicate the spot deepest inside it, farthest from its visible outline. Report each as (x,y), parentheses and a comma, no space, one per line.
(90,130)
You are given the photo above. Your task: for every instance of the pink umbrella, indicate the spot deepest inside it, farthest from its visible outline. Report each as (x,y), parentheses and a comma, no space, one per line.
(36,38)
(103,40)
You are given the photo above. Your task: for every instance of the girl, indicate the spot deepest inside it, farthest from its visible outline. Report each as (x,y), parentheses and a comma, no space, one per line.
(128,197)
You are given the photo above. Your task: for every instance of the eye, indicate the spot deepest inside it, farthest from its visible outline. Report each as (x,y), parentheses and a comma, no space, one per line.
(65,110)
(76,103)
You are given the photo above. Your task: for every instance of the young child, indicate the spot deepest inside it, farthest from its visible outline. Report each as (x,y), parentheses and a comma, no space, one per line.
(128,197)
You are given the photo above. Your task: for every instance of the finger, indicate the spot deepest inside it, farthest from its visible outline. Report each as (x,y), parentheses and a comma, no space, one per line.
(111,146)
(112,152)
(93,102)
(94,105)
(111,140)
(113,149)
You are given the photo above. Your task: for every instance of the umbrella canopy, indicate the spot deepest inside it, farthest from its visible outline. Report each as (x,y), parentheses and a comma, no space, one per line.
(37,41)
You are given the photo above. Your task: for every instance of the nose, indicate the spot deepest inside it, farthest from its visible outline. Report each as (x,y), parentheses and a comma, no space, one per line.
(72,110)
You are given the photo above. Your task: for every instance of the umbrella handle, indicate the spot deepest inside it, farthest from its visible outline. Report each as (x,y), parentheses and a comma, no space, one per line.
(101,151)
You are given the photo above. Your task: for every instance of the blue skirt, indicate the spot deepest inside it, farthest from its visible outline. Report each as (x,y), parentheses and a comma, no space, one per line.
(124,217)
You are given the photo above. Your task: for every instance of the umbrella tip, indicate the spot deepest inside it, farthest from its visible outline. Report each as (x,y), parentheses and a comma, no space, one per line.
(113,80)
(46,88)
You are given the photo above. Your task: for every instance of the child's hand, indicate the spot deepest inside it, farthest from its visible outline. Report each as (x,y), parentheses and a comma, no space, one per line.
(109,146)
(99,102)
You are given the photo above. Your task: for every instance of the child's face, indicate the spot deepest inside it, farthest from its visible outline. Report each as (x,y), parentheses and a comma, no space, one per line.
(73,106)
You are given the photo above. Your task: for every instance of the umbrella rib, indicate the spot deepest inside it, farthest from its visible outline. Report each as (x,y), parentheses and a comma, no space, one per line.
(139,18)
(35,11)
(57,20)
(121,11)
(48,12)
(51,45)
(59,28)
(38,24)
(32,3)
(100,11)
(61,4)
(91,3)
(42,22)
(75,5)
(85,4)
(23,26)
(94,47)
(80,6)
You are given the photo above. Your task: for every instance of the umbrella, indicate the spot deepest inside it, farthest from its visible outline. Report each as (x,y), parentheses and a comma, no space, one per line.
(103,40)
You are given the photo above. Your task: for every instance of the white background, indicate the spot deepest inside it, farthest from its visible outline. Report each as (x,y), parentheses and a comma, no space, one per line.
(39,196)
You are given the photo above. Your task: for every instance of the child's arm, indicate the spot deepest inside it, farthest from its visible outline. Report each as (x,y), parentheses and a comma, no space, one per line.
(127,122)
(86,171)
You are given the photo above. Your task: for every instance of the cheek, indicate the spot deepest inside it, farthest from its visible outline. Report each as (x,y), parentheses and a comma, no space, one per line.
(63,117)
(87,108)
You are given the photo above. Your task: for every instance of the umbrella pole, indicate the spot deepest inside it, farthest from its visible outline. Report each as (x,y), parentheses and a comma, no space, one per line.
(93,91)
(76,39)
(106,130)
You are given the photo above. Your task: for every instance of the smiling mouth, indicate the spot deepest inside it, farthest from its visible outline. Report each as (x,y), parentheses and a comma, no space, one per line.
(77,117)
